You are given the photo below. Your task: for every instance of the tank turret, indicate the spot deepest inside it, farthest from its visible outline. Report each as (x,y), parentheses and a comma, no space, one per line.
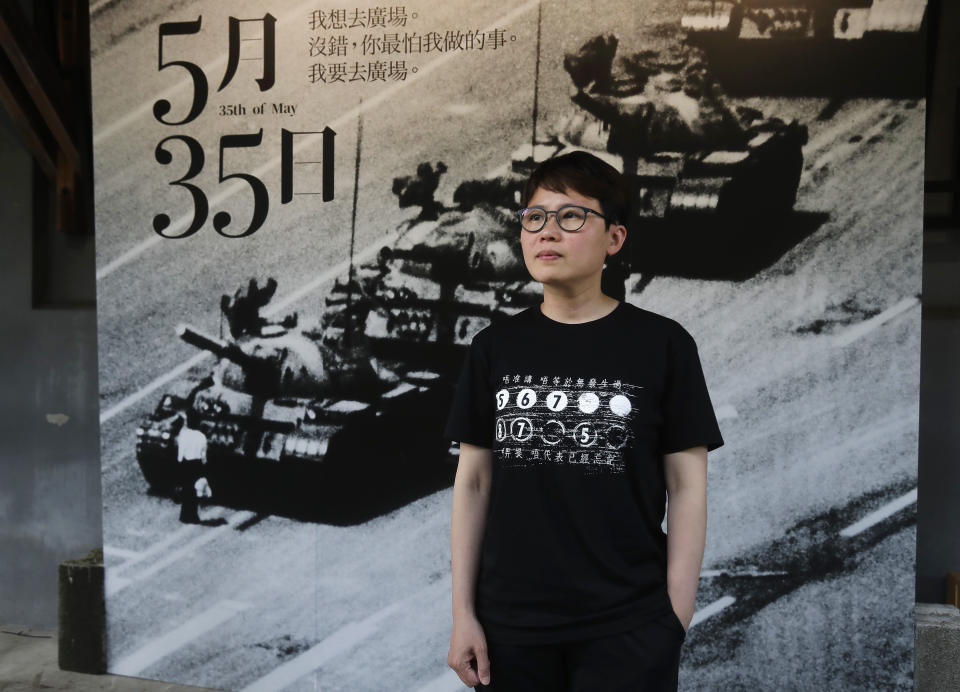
(277,363)
(218,347)
(830,48)
(687,151)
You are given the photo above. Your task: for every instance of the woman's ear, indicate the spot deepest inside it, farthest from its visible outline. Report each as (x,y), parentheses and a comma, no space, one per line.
(618,236)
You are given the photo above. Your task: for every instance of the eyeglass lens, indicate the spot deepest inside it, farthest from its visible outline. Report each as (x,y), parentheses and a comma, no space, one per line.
(569,218)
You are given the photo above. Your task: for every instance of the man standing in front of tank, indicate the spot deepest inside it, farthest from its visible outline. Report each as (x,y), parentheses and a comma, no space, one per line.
(191,457)
(575,419)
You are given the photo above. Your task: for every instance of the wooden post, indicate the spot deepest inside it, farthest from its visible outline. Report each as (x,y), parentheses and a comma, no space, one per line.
(953,589)
(83,622)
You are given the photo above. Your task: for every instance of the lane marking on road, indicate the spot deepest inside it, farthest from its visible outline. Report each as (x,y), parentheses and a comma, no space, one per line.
(96,6)
(879,515)
(366,253)
(120,584)
(130,400)
(339,642)
(113,582)
(448,682)
(113,551)
(744,572)
(841,149)
(709,611)
(166,644)
(726,411)
(827,137)
(348,117)
(867,326)
(178,536)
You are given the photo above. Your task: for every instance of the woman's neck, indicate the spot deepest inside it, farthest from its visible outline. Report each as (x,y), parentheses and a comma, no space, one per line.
(573,308)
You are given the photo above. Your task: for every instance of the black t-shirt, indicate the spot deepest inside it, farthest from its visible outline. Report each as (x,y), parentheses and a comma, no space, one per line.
(578,418)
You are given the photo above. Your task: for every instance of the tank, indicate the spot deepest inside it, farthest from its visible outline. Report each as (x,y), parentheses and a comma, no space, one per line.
(704,174)
(418,305)
(812,47)
(663,118)
(293,410)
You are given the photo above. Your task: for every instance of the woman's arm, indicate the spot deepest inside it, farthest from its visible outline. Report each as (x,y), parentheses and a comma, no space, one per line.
(686,477)
(471,494)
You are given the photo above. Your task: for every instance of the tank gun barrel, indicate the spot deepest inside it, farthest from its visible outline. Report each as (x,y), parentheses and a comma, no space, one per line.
(218,347)
(446,251)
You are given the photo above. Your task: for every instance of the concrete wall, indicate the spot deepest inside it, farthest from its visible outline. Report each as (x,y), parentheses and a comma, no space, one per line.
(49,474)
(938,541)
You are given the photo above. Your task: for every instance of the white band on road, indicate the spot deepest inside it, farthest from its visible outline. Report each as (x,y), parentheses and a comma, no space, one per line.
(834,152)
(152,387)
(711,610)
(827,137)
(726,412)
(867,326)
(178,536)
(166,644)
(339,642)
(447,682)
(351,115)
(740,573)
(879,515)
(112,551)
(116,585)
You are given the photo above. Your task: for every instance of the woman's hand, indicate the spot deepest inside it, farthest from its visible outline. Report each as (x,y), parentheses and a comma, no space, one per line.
(468,651)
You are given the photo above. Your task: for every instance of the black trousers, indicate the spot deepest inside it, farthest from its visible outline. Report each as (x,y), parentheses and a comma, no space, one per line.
(190,471)
(646,659)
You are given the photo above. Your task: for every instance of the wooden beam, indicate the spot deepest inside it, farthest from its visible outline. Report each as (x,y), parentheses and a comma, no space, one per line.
(39,77)
(67,214)
(25,117)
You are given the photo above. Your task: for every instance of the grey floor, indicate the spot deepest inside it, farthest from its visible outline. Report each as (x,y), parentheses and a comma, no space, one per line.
(28,661)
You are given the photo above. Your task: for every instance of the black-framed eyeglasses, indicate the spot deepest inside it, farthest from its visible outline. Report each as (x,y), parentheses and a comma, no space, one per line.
(570,217)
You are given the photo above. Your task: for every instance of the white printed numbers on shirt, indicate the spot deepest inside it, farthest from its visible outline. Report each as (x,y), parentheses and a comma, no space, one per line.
(585,434)
(501,430)
(526,398)
(521,429)
(503,398)
(556,401)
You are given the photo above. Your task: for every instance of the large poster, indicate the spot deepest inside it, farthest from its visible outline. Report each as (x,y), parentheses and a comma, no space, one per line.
(304,213)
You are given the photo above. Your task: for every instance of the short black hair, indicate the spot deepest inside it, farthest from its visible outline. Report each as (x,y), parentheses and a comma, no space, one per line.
(585,174)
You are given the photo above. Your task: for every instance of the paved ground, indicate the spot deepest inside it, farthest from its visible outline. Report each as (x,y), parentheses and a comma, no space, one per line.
(28,661)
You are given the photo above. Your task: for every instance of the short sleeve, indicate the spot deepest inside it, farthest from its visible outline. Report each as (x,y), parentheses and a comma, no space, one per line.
(471,416)
(689,419)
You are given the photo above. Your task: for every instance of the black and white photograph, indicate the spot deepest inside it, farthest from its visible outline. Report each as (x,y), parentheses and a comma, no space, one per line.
(304,213)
